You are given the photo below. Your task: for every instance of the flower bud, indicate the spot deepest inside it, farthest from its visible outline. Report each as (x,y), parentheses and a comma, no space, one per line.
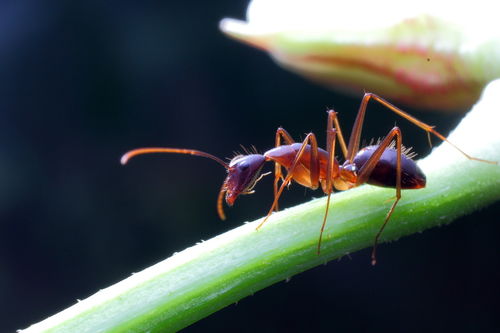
(428,54)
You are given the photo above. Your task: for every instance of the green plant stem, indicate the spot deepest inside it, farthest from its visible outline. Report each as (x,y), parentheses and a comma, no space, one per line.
(213,274)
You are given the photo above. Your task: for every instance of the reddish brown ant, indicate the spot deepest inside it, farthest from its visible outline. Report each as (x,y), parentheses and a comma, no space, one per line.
(383,164)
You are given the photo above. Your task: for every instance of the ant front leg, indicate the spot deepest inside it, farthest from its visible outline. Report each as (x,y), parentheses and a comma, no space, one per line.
(313,170)
(367,168)
(280,133)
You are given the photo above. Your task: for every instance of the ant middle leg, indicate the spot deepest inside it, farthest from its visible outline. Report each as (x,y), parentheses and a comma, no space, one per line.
(332,131)
(332,126)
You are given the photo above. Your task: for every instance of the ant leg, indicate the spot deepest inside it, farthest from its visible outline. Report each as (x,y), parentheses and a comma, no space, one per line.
(280,133)
(333,125)
(313,168)
(365,171)
(331,132)
(354,140)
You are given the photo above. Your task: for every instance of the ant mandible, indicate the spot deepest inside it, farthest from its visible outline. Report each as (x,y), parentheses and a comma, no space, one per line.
(383,164)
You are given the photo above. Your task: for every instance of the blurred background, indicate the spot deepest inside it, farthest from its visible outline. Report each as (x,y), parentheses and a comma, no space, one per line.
(82,82)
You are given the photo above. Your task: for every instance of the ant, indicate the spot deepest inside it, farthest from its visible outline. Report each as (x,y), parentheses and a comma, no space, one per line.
(385,164)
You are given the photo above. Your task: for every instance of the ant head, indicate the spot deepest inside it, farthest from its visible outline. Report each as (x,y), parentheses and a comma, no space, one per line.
(243,174)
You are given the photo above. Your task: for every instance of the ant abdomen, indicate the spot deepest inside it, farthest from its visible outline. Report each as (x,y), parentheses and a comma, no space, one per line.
(385,171)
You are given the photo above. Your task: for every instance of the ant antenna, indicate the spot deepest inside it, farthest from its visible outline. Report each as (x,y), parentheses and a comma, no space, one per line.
(127,156)
(140,151)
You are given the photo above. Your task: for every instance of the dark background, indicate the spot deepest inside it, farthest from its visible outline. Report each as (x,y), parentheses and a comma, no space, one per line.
(81,82)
